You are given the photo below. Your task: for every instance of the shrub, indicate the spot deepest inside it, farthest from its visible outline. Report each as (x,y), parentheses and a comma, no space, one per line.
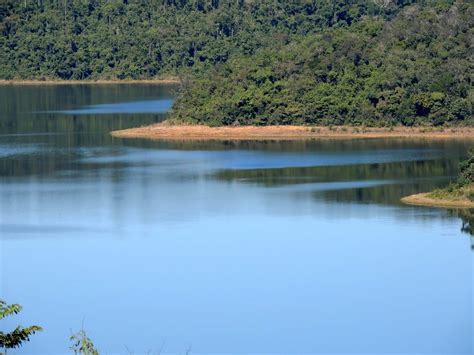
(19,335)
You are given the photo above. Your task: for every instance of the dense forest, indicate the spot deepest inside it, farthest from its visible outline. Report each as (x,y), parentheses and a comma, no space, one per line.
(374,62)
(413,69)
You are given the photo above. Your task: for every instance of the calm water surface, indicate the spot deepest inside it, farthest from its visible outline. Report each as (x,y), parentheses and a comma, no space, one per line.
(223,247)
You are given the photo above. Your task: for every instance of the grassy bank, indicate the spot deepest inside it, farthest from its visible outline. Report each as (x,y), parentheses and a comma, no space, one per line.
(201,132)
(452,196)
(456,195)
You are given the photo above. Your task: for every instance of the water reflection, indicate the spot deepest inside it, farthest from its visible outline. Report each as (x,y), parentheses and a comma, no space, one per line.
(467,217)
(152,106)
(400,178)
(29,110)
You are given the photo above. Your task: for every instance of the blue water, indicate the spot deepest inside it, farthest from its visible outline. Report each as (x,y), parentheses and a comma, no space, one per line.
(224,247)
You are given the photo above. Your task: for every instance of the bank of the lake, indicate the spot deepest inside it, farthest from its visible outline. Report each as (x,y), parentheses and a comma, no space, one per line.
(425,199)
(455,195)
(200,132)
(160,81)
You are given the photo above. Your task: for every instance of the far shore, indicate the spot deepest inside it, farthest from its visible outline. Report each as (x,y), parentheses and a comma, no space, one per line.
(167,80)
(423,199)
(167,131)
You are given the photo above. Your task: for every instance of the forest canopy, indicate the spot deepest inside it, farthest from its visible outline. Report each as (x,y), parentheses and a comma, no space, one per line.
(375,62)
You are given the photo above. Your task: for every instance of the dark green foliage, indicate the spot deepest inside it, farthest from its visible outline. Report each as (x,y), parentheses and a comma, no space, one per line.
(82,344)
(467,170)
(415,68)
(19,335)
(90,39)
(463,188)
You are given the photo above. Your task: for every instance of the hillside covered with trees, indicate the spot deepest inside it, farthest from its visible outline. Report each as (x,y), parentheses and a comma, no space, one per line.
(374,62)
(413,69)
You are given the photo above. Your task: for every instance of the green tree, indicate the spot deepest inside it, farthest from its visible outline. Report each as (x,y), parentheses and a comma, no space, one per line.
(82,344)
(466,176)
(19,335)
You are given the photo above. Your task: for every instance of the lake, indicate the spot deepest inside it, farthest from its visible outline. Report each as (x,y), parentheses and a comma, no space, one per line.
(223,247)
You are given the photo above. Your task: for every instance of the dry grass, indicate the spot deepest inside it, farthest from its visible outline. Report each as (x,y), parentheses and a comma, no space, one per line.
(424,200)
(451,197)
(168,131)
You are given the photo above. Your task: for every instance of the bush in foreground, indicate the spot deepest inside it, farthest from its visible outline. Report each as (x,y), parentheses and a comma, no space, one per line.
(19,335)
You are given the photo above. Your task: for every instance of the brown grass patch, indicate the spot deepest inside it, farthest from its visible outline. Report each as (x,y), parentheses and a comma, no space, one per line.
(425,200)
(168,131)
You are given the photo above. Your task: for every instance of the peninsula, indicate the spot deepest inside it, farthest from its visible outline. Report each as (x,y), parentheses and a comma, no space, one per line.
(457,195)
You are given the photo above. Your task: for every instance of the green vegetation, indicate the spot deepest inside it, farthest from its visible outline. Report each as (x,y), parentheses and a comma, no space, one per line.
(19,335)
(463,189)
(413,69)
(375,62)
(82,344)
(454,192)
(91,39)
(466,176)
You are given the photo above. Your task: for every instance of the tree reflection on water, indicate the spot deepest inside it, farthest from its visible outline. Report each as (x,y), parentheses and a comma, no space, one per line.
(467,217)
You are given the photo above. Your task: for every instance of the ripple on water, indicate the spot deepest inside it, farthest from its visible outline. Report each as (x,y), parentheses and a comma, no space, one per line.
(7,150)
(149,106)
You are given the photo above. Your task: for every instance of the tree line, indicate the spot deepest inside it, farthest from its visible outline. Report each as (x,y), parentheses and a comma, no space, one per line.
(118,39)
(413,69)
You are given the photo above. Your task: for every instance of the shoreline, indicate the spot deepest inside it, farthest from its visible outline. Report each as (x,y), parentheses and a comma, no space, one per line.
(166,80)
(423,200)
(167,131)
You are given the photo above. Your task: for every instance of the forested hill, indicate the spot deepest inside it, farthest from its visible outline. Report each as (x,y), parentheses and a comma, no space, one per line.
(414,68)
(259,61)
(90,39)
